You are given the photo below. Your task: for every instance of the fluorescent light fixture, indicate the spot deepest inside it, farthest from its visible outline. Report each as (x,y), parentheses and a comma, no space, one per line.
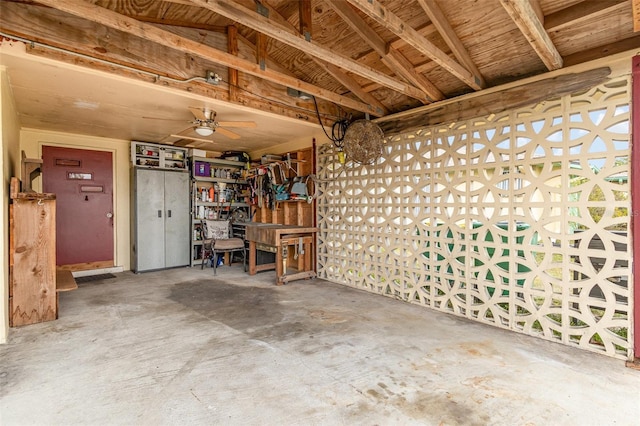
(204,130)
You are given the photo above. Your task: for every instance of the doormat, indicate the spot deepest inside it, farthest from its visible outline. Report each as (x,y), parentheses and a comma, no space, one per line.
(89,278)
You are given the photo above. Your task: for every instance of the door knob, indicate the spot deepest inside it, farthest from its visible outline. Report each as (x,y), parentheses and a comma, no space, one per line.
(109,215)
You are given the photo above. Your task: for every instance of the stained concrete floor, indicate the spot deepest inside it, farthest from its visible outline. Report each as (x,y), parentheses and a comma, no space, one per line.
(185,347)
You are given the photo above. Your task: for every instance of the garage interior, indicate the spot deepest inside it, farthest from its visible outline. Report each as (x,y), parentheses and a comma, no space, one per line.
(496,220)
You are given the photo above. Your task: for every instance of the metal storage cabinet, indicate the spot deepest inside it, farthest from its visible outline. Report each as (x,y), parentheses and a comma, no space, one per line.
(161,222)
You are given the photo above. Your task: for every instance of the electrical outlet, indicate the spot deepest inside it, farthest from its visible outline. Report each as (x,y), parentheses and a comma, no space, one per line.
(213,77)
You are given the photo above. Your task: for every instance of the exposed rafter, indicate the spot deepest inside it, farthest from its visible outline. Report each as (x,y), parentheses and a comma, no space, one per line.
(347,81)
(342,77)
(151,33)
(390,56)
(450,37)
(181,23)
(586,10)
(232,48)
(305,19)
(266,26)
(535,5)
(630,43)
(424,31)
(526,19)
(261,51)
(389,20)
(636,15)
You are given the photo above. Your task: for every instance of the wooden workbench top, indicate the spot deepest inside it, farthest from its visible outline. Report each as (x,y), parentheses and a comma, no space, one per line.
(270,233)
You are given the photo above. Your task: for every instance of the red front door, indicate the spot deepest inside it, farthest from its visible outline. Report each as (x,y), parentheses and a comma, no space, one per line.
(83,183)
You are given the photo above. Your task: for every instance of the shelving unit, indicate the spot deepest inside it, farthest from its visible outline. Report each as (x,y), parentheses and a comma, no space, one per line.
(145,154)
(291,212)
(218,188)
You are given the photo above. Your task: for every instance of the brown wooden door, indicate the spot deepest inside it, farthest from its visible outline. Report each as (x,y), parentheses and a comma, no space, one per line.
(83,183)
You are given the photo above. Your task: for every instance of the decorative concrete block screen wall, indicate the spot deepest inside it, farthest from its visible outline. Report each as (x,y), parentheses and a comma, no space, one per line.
(519,219)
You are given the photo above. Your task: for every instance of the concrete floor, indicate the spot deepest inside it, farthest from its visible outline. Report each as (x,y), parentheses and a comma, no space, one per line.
(185,347)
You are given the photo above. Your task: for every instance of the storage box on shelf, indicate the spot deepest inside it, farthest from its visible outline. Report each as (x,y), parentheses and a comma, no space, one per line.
(218,190)
(145,154)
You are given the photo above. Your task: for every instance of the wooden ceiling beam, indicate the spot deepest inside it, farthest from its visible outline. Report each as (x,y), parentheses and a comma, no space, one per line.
(400,64)
(264,25)
(357,24)
(352,85)
(527,21)
(232,48)
(304,18)
(391,57)
(342,77)
(450,37)
(491,101)
(630,43)
(585,10)
(535,5)
(390,21)
(635,6)
(261,51)
(165,38)
(424,31)
(180,23)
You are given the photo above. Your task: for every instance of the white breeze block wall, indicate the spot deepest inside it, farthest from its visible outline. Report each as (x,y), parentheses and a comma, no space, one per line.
(519,219)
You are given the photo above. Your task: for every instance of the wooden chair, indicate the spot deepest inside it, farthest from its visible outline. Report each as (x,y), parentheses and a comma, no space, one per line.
(216,239)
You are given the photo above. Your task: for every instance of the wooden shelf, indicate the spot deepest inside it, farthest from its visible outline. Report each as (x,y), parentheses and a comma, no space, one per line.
(220,161)
(221,205)
(220,180)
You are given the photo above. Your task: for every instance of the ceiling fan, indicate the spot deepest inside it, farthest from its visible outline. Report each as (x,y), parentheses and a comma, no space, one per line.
(204,125)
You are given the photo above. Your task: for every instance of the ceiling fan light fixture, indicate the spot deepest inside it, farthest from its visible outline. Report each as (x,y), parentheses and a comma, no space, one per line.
(204,130)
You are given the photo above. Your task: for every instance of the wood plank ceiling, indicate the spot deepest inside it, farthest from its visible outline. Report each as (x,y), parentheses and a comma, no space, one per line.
(354,56)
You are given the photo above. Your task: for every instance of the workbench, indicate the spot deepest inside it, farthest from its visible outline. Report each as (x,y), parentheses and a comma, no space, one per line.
(280,239)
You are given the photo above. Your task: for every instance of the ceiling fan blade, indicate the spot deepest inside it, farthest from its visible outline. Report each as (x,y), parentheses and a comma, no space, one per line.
(193,138)
(197,143)
(183,142)
(227,133)
(166,119)
(209,145)
(200,113)
(183,132)
(237,123)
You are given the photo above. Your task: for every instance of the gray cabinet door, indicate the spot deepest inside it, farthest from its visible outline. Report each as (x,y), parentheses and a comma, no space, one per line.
(149,219)
(176,230)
